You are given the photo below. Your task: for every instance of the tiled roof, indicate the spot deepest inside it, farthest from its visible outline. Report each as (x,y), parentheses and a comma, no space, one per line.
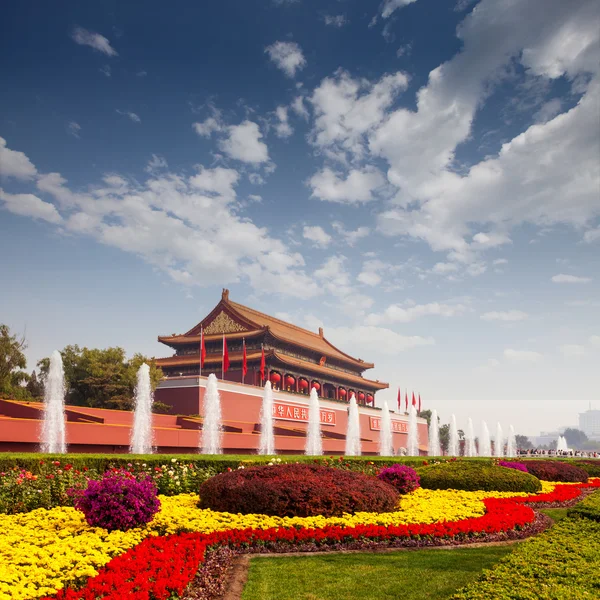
(191,339)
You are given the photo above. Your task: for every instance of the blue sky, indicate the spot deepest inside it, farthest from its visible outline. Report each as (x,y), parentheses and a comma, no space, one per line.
(420,178)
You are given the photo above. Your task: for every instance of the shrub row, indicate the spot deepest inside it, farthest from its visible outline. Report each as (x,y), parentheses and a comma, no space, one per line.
(296,490)
(555,470)
(590,466)
(219,462)
(467,476)
(563,562)
(588,508)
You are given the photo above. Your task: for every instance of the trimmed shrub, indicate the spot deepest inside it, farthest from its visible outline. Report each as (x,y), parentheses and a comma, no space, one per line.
(401,477)
(591,466)
(588,508)
(549,470)
(296,490)
(472,477)
(519,466)
(118,501)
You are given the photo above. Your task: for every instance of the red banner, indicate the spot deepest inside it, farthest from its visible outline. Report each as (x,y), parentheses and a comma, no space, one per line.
(397,426)
(291,412)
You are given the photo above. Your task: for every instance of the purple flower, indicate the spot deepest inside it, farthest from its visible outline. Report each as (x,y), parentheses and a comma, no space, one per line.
(403,478)
(513,465)
(118,501)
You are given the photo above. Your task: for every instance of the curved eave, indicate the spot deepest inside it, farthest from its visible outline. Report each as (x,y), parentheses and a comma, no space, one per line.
(327,371)
(185,340)
(363,366)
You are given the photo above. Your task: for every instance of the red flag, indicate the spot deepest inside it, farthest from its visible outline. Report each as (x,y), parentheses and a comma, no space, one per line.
(202,350)
(399,398)
(225,357)
(406,400)
(419,402)
(244,360)
(414,402)
(262,364)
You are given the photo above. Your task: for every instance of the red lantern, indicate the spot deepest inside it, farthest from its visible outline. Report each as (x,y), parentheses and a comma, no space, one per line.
(290,381)
(303,384)
(361,396)
(370,398)
(342,393)
(316,385)
(275,377)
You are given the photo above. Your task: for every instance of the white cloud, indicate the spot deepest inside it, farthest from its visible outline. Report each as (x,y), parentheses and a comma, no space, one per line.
(28,205)
(208,126)
(298,107)
(490,365)
(73,129)
(443,268)
(287,56)
(371,339)
(396,313)
(156,163)
(94,40)
(142,73)
(335,20)
(350,237)
(131,115)
(595,340)
(508,316)
(106,70)
(243,142)
(592,235)
(522,355)
(317,235)
(548,110)
(548,174)
(254,198)
(501,261)
(114,181)
(14,163)
(389,6)
(562,278)
(358,186)
(218,181)
(371,278)
(347,109)
(283,129)
(572,350)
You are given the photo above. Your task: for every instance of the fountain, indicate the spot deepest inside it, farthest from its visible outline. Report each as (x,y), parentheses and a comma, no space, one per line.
(314,446)
(499,442)
(413,433)
(453,445)
(141,434)
(386,447)
(211,425)
(471,449)
(353,430)
(511,445)
(267,439)
(485,446)
(53,426)
(562,445)
(434,435)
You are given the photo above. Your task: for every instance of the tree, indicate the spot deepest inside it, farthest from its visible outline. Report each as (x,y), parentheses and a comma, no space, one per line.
(426,414)
(102,378)
(575,437)
(34,386)
(445,438)
(523,442)
(12,363)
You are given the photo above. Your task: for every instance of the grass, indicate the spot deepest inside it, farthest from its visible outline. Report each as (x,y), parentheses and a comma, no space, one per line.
(420,574)
(556,514)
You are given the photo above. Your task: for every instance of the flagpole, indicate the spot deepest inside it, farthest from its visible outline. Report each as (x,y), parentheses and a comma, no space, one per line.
(243,352)
(223,360)
(201,344)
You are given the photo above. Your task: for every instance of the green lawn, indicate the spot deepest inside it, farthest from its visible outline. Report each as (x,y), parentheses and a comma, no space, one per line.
(556,514)
(419,574)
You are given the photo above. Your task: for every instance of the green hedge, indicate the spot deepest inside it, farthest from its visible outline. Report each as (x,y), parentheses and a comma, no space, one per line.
(220,462)
(561,563)
(588,508)
(591,466)
(469,476)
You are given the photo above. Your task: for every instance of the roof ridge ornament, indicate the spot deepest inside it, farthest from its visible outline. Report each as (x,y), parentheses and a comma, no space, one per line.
(225,295)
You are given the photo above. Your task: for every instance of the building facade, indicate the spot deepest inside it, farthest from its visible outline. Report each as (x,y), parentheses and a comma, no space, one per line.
(589,423)
(296,360)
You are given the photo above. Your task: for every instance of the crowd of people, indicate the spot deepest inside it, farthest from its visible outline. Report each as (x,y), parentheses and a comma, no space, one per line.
(559,453)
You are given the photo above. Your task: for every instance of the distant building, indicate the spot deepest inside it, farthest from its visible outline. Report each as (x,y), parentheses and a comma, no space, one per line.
(589,423)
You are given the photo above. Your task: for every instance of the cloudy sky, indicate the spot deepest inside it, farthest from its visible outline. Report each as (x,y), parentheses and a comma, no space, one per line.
(420,178)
